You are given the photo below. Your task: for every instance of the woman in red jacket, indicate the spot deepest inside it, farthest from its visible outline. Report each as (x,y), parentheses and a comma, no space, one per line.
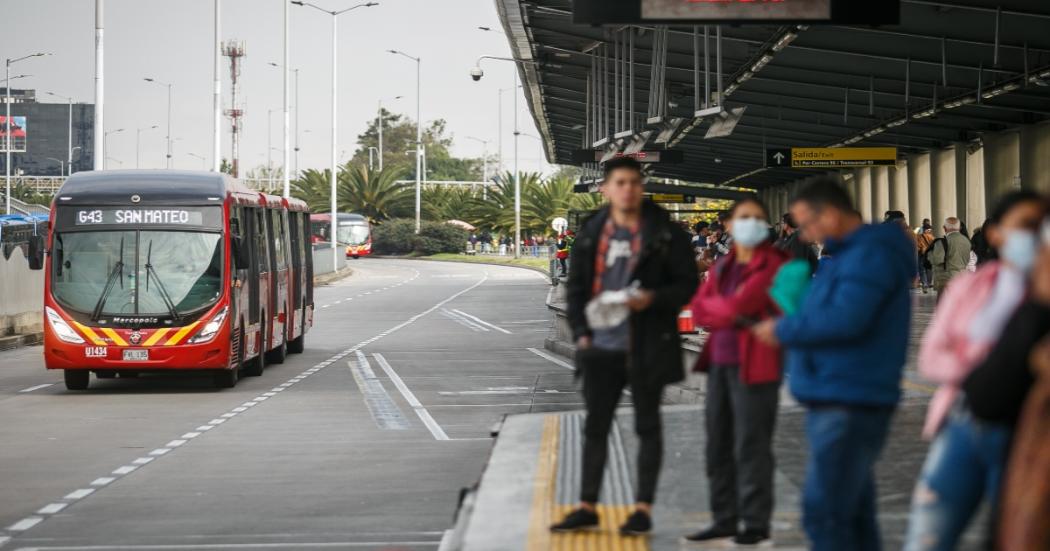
(743,380)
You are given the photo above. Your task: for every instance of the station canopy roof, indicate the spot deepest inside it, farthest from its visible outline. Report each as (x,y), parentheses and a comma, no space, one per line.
(914,85)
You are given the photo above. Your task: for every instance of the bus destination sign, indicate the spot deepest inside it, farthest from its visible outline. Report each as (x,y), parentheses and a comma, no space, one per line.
(171,216)
(792,10)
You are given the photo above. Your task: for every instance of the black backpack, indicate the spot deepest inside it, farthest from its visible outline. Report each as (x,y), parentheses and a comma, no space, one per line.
(926,256)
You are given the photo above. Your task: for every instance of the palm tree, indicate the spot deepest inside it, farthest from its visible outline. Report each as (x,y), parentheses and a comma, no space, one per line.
(313,187)
(444,203)
(375,194)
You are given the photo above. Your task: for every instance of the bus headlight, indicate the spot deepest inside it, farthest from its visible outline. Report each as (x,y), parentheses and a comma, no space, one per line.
(61,328)
(209,330)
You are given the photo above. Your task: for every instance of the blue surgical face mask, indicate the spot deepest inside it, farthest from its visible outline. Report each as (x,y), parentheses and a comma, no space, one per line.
(1020,249)
(749,232)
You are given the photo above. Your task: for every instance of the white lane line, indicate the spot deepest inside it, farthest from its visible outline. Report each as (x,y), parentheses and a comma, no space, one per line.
(37,387)
(102,481)
(25,524)
(51,508)
(124,470)
(551,358)
(424,415)
(160,451)
(79,494)
(463,321)
(481,321)
(142,460)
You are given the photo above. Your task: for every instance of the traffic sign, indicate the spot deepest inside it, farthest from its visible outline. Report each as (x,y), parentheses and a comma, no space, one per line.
(830,157)
(559,224)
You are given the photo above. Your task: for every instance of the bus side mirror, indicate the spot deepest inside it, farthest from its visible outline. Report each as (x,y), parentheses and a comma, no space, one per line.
(36,252)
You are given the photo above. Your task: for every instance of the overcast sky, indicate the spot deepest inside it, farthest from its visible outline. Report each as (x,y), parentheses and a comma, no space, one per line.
(171,40)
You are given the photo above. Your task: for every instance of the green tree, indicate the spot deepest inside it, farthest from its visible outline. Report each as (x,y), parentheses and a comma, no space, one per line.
(375,194)
(399,146)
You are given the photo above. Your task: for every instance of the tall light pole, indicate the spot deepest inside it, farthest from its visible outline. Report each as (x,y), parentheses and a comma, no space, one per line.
(286,164)
(69,134)
(170,86)
(269,147)
(295,170)
(105,144)
(484,157)
(419,134)
(335,87)
(380,125)
(217,95)
(99,158)
(7,123)
(138,138)
(477,73)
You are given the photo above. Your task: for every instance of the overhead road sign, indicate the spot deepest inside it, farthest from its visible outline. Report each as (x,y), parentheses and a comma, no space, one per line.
(830,157)
(837,12)
(645,157)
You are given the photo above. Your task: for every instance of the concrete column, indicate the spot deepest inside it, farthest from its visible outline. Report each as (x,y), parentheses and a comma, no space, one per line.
(1035,157)
(944,185)
(863,185)
(976,208)
(920,193)
(1002,164)
(880,192)
(897,177)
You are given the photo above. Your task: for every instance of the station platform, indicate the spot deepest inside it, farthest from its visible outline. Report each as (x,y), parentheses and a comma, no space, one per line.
(532,477)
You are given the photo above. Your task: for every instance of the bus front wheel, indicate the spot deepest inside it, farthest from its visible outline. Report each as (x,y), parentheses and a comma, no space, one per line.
(77,379)
(224,378)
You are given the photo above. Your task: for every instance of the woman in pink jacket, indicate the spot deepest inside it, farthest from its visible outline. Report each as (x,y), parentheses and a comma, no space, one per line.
(965,462)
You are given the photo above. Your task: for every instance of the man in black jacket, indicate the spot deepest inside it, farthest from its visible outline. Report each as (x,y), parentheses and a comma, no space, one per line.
(628,244)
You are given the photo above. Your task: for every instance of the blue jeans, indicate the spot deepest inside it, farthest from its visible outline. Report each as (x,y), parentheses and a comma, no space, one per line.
(963,467)
(838,499)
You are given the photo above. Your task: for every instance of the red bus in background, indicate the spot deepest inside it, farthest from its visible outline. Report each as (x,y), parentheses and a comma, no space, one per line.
(353,232)
(152,270)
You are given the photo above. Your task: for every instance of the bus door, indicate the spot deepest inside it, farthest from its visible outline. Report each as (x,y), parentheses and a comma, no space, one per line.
(278,278)
(261,293)
(308,272)
(296,312)
(240,273)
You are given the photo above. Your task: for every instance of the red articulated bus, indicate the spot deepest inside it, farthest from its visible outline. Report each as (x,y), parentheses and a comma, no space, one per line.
(152,270)
(353,230)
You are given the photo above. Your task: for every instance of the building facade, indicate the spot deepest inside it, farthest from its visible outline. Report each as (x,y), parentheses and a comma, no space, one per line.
(45,147)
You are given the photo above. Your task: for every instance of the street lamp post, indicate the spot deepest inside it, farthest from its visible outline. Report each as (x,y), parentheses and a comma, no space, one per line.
(105,145)
(419,134)
(295,169)
(335,86)
(484,157)
(69,135)
(61,165)
(170,86)
(217,94)
(138,138)
(269,147)
(7,124)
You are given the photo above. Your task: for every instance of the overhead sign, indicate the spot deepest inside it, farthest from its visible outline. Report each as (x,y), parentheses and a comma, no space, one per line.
(830,157)
(17,127)
(652,156)
(702,12)
(81,217)
(764,10)
(673,198)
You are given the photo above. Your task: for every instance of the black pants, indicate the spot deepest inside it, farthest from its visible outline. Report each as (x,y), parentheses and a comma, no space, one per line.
(605,374)
(740,420)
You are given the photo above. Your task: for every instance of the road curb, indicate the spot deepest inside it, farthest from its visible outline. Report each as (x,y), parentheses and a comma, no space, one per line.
(537,270)
(12,342)
(329,278)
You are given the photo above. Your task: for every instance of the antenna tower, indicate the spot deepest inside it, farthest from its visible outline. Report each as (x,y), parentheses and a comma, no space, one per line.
(235,51)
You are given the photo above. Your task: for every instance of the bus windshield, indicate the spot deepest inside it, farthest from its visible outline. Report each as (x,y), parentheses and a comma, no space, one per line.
(157,273)
(353,234)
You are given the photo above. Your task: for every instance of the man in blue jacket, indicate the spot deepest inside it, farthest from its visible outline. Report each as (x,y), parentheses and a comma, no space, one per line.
(845,350)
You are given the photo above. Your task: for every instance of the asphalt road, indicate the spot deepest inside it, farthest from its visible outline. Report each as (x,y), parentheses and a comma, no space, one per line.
(363,442)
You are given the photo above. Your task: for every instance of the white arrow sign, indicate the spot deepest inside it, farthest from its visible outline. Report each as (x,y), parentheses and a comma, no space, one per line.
(779,157)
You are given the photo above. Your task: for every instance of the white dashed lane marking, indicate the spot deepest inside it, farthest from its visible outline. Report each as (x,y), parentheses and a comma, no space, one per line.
(37,387)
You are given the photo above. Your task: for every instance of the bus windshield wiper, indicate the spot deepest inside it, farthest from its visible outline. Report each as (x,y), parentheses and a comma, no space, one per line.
(116,273)
(160,285)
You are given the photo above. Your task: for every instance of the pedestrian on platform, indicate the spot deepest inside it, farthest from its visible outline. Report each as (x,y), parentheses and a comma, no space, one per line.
(923,241)
(629,245)
(949,255)
(791,242)
(562,254)
(743,381)
(965,463)
(845,350)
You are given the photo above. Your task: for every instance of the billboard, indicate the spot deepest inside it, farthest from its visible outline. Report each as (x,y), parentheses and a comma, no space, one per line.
(742,10)
(17,128)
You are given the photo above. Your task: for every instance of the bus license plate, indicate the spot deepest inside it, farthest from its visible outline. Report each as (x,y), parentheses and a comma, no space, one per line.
(136,355)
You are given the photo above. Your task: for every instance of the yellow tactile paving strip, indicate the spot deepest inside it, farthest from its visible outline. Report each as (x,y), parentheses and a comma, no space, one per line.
(545,511)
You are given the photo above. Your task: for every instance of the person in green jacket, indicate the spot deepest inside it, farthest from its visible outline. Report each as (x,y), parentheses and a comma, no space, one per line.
(949,255)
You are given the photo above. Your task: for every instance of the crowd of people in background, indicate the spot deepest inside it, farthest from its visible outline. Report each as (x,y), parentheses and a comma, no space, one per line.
(822,300)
